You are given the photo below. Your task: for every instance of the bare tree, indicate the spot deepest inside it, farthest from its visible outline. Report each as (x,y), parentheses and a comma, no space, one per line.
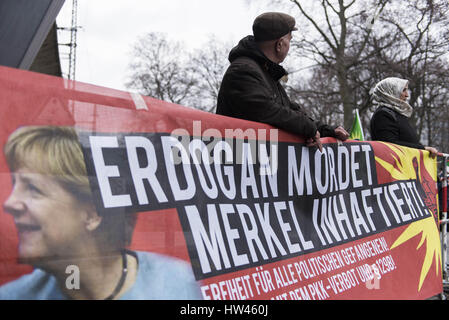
(165,70)
(209,65)
(337,39)
(160,69)
(319,93)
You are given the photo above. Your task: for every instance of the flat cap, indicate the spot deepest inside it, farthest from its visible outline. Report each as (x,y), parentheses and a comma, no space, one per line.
(273,25)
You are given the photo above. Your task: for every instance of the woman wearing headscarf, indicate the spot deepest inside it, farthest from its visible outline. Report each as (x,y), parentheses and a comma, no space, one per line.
(390,121)
(60,230)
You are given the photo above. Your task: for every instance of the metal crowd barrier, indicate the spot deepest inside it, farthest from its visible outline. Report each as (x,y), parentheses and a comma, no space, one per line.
(443,223)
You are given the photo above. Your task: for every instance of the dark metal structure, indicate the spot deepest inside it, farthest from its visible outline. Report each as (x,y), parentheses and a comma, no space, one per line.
(28,38)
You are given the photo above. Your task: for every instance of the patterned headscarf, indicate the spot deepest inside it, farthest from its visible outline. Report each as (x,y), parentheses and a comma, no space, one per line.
(387,93)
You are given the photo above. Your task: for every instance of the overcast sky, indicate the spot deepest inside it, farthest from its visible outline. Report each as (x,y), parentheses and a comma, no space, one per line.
(110,27)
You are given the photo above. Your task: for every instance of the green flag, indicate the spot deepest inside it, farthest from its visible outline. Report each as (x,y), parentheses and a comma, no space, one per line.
(357,131)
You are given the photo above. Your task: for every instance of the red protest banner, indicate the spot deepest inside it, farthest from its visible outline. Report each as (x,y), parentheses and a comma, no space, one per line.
(207,207)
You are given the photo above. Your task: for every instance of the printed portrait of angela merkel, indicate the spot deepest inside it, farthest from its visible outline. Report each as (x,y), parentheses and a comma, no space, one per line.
(58,226)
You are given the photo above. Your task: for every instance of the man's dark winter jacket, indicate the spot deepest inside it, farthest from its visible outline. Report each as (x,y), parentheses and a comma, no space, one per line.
(251,90)
(391,126)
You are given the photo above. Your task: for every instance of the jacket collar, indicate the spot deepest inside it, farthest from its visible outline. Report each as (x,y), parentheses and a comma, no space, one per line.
(247,48)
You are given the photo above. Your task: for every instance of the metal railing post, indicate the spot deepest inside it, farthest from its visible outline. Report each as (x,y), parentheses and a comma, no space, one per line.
(443,223)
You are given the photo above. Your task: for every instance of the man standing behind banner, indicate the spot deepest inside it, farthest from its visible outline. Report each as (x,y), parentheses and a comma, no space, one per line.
(251,89)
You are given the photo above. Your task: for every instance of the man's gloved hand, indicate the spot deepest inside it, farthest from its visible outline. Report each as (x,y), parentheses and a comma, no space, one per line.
(315,141)
(341,133)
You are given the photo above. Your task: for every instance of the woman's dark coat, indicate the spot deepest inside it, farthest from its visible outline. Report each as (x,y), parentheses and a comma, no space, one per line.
(391,126)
